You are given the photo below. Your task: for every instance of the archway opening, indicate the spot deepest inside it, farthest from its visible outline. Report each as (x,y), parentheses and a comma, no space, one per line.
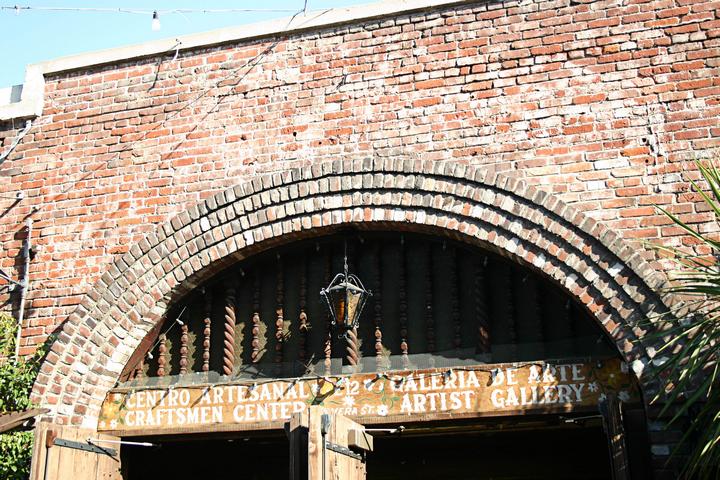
(440,308)
(436,303)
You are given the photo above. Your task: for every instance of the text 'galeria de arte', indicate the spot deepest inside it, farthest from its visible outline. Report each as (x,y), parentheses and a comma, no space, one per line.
(398,239)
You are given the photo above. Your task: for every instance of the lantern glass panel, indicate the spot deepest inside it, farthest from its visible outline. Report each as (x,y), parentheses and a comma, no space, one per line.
(337,299)
(354,298)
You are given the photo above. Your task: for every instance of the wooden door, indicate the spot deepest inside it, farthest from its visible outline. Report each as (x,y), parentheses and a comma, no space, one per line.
(64,452)
(326,446)
(611,411)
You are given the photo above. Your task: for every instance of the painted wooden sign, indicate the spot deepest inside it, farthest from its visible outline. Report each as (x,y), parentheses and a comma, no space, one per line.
(403,396)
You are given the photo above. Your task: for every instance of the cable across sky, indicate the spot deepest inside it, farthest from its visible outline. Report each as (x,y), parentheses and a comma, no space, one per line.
(24,8)
(37,32)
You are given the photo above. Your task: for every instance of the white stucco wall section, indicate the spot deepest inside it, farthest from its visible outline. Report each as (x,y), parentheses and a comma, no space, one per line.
(31,101)
(31,96)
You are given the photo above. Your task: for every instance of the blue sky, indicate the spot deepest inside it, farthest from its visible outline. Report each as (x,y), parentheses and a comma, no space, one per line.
(32,36)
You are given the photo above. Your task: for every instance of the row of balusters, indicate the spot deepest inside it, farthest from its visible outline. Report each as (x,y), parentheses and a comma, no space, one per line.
(350,347)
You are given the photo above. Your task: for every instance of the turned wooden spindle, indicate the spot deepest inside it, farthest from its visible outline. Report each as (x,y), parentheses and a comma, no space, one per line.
(162,350)
(183,348)
(403,307)
(379,359)
(255,343)
(481,308)
(352,349)
(566,318)
(534,313)
(279,317)
(510,305)
(304,325)
(140,369)
(429,319)
(327,350)
(229,333)
(207,331)
(352,343)
(507,287)
(454,303)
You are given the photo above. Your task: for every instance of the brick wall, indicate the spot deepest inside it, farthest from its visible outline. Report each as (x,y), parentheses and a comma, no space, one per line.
(604,104)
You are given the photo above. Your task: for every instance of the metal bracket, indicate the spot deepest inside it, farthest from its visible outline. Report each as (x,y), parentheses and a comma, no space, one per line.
(85,447)
(324,424)
(343,450)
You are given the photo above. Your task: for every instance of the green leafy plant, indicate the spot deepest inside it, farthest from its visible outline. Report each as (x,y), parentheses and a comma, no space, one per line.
(16,379)
(687,363)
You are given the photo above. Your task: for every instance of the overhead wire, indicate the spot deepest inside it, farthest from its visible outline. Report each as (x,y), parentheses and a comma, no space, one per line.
(177,321)
(250,65)
(19,8)
(176,47)
(220,83)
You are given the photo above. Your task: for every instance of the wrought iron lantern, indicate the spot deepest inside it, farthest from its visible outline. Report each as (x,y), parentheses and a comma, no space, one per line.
(345,297)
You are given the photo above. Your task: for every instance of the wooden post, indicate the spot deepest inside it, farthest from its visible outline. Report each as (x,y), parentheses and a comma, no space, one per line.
(207,331)
(255,356)
(325,446)
(481,308)
(611,411)
(403,307)
(279,318)
(352,349)
(379,357)
(229,340)
(63,452)
(454,301)
(304,324)
(429,319)
(162,351)
(327,349)
(183,348)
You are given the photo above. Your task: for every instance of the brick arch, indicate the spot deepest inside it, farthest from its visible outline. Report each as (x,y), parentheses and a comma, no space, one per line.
(473,204)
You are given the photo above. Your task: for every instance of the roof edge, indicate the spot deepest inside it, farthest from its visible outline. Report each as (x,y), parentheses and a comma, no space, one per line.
(32,99)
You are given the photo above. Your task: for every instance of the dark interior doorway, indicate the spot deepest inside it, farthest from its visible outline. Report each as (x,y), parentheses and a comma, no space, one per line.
(567,452)
(246,458)
(563,451)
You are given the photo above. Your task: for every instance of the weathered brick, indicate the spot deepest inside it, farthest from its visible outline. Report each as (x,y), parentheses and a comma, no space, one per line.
(592,108)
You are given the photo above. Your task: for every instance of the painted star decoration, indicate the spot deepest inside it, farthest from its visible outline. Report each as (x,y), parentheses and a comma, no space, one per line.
(349,401)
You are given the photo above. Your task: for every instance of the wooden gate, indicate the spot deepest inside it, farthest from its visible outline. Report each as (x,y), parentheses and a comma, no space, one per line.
(326,446)
(611,412)
(64,452)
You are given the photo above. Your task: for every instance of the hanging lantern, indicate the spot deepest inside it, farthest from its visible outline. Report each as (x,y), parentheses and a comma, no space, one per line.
(345,297)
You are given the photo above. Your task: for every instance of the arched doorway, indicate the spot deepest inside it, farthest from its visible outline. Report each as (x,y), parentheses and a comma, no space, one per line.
(439,308)
(478,210)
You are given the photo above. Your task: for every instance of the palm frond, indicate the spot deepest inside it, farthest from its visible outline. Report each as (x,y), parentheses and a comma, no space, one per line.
(689,338)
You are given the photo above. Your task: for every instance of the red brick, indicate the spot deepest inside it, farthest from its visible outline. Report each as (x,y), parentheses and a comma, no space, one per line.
(108,163)
(598,97)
